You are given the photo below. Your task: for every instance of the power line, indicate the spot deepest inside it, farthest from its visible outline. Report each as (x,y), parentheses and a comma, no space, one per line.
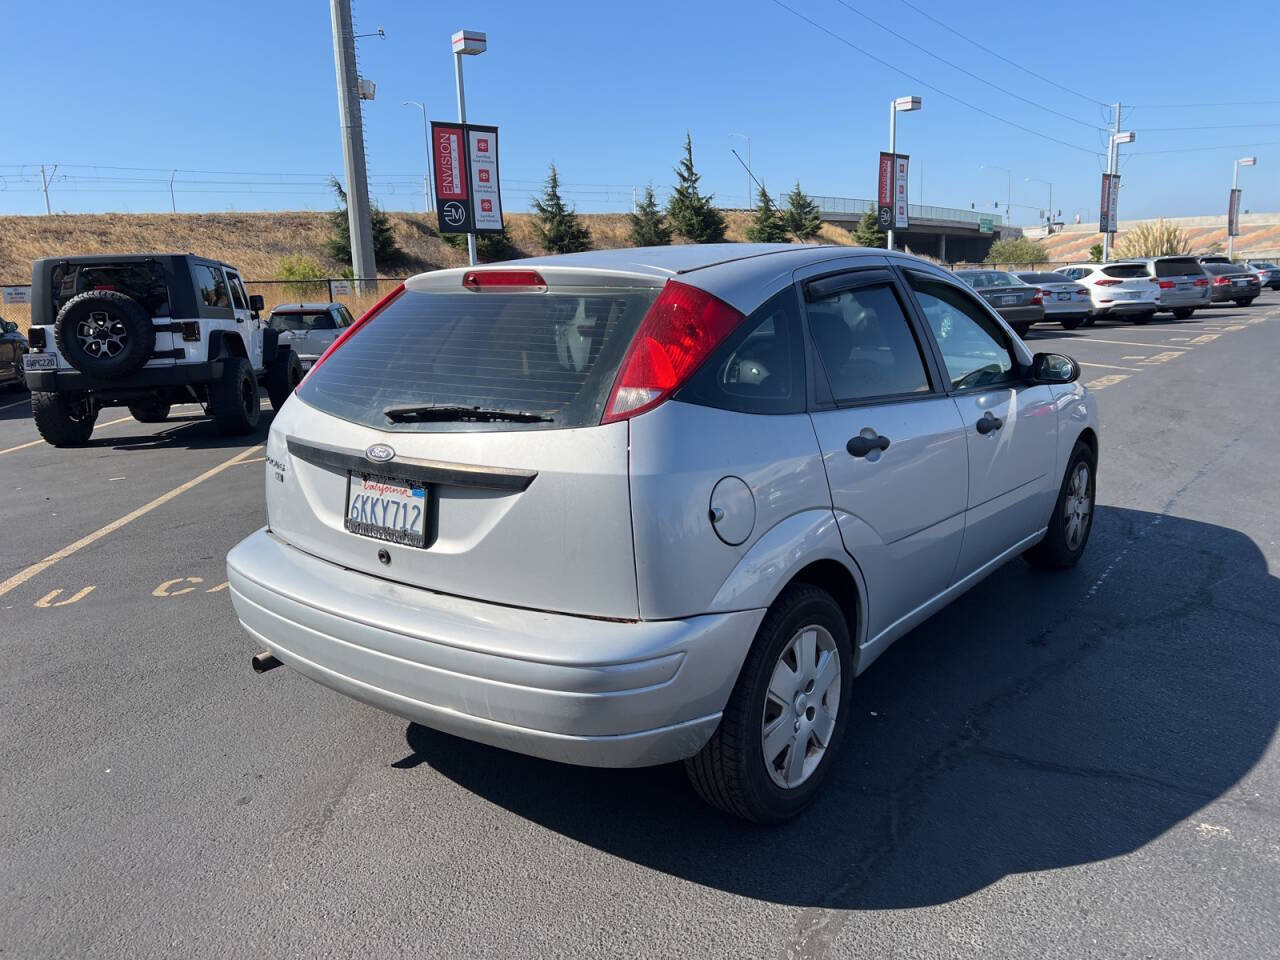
(1221,146)
(1220,103)
(930,86)
(1074,93)
(966,72)
(1213,126)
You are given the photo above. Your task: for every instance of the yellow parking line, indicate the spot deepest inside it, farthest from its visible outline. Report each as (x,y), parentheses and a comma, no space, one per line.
(34,443)
(18,579)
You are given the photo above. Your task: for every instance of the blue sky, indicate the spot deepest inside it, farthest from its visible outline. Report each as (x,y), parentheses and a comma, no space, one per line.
(607,90)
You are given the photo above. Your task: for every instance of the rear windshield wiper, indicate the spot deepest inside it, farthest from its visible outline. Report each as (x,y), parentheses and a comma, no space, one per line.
(445,414)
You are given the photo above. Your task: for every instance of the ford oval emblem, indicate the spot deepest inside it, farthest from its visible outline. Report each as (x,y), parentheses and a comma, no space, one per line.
(380,453)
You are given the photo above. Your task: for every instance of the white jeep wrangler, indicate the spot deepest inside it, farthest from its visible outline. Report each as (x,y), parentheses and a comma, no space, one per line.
(148,331)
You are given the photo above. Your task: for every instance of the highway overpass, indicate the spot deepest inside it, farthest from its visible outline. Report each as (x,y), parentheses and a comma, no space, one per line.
(949,234)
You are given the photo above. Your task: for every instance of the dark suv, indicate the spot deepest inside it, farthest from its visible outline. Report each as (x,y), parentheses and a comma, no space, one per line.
(148,331)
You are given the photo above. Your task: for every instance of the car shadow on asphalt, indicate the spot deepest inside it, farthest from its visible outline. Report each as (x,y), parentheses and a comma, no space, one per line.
(17,406)
(194,432)
(1041,721)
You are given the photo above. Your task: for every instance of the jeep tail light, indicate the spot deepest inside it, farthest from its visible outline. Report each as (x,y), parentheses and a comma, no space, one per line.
(348,333)
(679,332)
(1037,297)
(191,331)
(504,280)
(1108,282)
(35,338)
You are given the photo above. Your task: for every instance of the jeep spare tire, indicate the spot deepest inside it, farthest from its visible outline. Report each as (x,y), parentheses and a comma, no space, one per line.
(104,334)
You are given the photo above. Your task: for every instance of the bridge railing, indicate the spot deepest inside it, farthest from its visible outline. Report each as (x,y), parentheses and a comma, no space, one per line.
(856,207)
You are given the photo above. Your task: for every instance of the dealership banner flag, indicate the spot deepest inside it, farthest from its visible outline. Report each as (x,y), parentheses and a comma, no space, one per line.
(453,182)
(482,149)
(900,191)
(884,193)
(1233,214)
(1109,203)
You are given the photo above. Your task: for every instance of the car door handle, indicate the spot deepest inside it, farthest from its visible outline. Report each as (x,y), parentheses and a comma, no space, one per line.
(989,424)
(860,446)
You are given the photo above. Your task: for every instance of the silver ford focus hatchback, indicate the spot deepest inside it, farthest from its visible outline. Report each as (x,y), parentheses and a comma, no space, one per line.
(636,506)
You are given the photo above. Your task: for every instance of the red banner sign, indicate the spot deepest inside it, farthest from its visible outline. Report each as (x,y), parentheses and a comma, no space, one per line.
(449,156)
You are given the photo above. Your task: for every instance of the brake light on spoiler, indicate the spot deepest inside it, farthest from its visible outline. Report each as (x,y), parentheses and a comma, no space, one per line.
(679,332)
(504,280)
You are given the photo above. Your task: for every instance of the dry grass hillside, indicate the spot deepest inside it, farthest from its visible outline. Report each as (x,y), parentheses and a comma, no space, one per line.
(257,242)
(1256,240)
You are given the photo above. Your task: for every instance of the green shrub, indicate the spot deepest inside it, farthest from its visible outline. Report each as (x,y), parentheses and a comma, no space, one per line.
(307,276)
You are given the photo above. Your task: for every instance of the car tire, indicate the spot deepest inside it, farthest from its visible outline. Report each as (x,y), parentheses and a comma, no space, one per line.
(62,419)
(1064,543)
(1021,329)
(20,372)
(1141,318)
(1245,301)
(731,771)
(1071,323)
(1183,313)
(233,399)
(1090,320)
(283,376)
(150,411)
(104,334)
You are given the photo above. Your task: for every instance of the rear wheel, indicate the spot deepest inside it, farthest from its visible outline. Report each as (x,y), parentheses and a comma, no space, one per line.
(233,399)
(64,420)
(1244,301)
(1183,313)
(1090,320)
(283,377)
(1072,519)
(150,411)
(1142,318)
(19,368)
(1070,323)
(786,716)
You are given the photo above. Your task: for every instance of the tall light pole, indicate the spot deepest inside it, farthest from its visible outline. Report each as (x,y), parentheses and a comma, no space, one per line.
(1113,163)
(751,204)
(426,139)
(358,222)
(1049,219)
(1235,182)
(466,43)
(906,105)
(1008,186)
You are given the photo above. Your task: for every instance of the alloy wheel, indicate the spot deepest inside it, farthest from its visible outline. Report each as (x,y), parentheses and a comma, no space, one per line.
(800,707)
(1077,509)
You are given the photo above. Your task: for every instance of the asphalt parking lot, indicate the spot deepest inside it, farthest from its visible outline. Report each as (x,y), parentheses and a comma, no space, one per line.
(1075,765)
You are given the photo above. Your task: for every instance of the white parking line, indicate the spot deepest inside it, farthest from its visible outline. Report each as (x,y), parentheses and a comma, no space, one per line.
(18,579)
(36,443)
(1107,366)
(1125,343)
(16,403)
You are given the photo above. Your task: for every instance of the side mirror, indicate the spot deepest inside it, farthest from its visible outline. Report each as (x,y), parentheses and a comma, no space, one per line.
(8,326)
(256,303)
(1054,368)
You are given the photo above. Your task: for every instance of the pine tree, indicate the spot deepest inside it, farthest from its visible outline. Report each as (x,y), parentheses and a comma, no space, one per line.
(338,244)
(648,226)
(769,225)
(867,233)
(558,228)
(802,216)
(693,215)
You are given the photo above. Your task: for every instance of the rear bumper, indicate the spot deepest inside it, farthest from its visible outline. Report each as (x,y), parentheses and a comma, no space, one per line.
(1030,314)
(1122,307)
(572,689)
(1227,294)
(179,374)
(1177,299)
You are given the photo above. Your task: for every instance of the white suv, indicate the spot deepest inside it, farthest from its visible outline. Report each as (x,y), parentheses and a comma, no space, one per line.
(1117,289)
(148,331)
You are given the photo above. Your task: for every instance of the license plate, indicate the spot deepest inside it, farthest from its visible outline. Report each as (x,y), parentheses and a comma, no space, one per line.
(1184,286)
(1064,296)
(1241,283)
(386,508)
(1005,301)
(40,361)
(1126,296)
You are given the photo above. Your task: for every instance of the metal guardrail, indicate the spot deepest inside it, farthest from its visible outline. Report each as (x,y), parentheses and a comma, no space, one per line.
(854,206)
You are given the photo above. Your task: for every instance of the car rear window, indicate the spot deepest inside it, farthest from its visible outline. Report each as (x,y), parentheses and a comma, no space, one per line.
(553,354)
(292,322)
(1042,278)
(142,280)
(1126,271)
(1221,268)
(1177,267)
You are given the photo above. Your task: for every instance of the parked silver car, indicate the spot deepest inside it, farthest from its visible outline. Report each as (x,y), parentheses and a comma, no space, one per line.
(1065,300)
(634,506)
(1181,280)
(1021,304)
(309,328)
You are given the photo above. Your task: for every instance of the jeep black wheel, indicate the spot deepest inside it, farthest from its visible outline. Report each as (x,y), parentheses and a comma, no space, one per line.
(150,411)
(64,420)
(104,334)
(233,400)
(283,377)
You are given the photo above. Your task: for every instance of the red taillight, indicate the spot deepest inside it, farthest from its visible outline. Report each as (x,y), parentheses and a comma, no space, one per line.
(1202,282)
(504,279)
(1219,281)
(681,329)
(1108,282)
(350,331)
(1167,284)
(1037,297)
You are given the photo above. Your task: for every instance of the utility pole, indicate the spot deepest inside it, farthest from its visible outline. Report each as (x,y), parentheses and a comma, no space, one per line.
(358,222)
(1112,150)
(44,183)
(173,204)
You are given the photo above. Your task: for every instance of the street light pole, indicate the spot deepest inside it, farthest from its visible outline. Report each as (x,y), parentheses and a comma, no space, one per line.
(905,104)
(466,43)
(1235,183)
(751,204)
(426,140)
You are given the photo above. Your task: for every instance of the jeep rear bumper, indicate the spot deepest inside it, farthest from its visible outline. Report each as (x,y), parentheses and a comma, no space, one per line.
(178,375)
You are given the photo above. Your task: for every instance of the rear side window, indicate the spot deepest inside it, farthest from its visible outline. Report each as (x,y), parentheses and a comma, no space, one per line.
(292,322)
(551,354)
(760,368)
(1126,271)
(1178,267)
(211,286)
(866,344)
(143,281)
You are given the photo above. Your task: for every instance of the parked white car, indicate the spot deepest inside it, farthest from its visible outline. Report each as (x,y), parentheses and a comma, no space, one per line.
(630,507)
(1117,289)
